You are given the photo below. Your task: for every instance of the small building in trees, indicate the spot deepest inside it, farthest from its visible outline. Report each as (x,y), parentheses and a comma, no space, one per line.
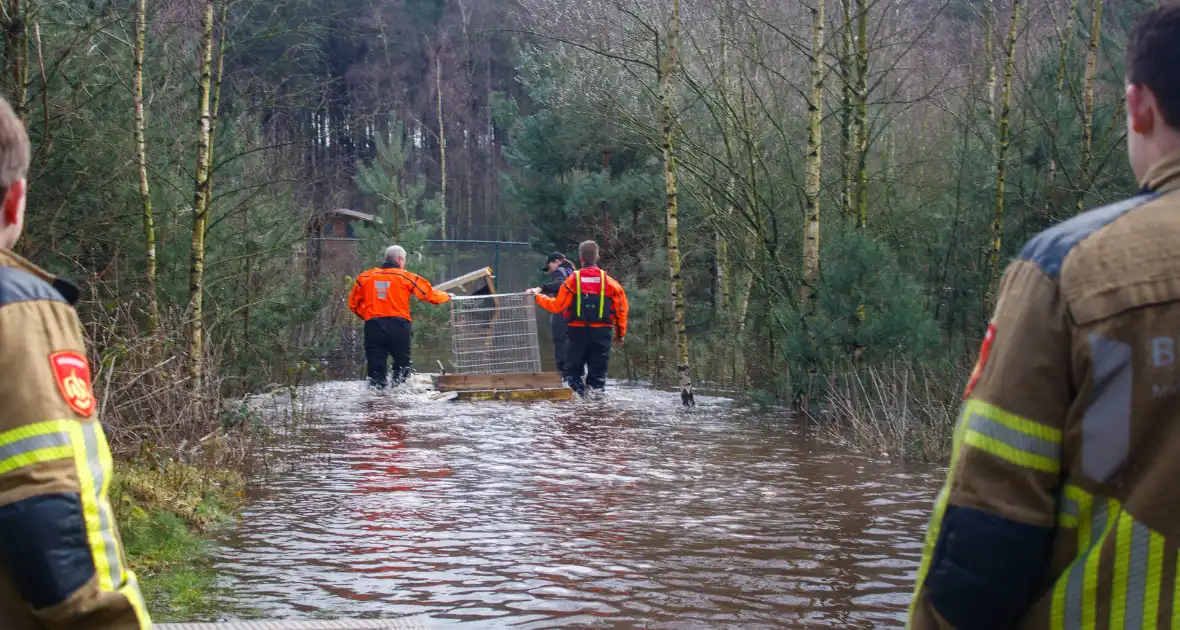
(331,255)
(332,245)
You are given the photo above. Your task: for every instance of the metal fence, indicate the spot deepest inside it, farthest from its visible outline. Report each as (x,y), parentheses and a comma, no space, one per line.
(515,265)
(489,232)
(494,334)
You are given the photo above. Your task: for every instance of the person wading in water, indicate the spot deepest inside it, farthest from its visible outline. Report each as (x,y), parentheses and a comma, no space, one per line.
(595,307)
(559,269)
(381,297)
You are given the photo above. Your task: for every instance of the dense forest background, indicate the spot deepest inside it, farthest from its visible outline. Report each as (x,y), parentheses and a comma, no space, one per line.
(809,201)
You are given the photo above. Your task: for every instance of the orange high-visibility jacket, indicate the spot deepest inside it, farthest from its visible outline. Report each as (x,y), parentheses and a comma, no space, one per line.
(386,291)
(563,303)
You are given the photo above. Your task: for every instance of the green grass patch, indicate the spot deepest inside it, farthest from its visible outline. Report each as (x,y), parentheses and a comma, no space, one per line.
(166,512)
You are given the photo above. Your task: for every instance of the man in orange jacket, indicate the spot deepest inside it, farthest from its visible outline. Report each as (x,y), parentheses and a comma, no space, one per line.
(594,305)
(381,297)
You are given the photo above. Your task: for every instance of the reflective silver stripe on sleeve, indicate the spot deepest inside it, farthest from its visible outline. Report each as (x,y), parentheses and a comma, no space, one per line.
(1106,424)
(34,443)
(1016,439)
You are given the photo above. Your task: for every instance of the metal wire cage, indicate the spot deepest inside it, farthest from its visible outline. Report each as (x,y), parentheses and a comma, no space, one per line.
(494,334)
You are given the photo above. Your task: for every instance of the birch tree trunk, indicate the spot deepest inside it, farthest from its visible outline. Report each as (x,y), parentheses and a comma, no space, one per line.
(862,132)
(442,144)
(862,114)
(722,315)
(810,288)
(16,48)
(989,54)
(723,266)
(216,105)
(848,145)
(196,346)
(1002,157)
(1087,155)
(667,129)
(1066,36)
(145,192)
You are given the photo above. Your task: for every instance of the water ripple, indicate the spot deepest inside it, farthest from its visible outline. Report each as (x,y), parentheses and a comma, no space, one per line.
(612,513)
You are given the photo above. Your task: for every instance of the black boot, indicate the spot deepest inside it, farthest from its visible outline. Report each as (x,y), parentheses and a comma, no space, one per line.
(577,384)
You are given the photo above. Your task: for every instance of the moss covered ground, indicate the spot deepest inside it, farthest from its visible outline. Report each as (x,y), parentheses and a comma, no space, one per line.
(167,513)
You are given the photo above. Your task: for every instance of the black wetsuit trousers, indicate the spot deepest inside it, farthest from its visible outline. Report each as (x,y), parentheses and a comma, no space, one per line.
(385,337)
(560,331)
(589,353)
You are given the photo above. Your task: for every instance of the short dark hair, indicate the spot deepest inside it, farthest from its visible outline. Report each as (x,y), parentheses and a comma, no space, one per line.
(14,147)
(588,252)
(1153,58)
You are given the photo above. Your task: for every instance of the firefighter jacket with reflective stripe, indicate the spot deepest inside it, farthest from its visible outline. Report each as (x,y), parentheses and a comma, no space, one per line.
(61,558)
(385,292)
(1061,508)
(569,301)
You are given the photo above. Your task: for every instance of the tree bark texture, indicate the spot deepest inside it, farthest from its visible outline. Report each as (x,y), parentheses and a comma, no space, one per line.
(1087,156)
(442,145)
(847,114)
(989,54)
(811,187)
(862,114)
(1002,154)
(196,346)
(16,49)
(667,128)
(145,192)
(1066,37)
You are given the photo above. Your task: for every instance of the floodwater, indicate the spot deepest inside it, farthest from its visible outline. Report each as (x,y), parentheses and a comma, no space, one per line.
(621,512)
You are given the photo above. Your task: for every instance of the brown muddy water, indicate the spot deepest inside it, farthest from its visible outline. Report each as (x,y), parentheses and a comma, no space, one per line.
(621,512)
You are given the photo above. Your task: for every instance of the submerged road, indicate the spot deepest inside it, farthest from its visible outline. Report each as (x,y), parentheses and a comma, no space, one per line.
(622,512)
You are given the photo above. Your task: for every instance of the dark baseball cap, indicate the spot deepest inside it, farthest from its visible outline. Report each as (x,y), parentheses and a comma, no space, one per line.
(552,257)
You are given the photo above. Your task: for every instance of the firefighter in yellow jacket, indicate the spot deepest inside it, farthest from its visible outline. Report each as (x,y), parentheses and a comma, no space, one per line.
(1061,509)
(61,561)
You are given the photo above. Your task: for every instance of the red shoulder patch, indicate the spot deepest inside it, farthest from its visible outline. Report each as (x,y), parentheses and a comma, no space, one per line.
(72,373)
(984,350)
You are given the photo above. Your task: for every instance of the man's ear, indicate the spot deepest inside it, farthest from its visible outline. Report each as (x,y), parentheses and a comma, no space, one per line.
(1140,109)
(14,202)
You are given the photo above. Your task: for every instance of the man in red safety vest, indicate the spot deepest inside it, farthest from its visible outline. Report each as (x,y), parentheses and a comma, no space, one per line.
(595,307)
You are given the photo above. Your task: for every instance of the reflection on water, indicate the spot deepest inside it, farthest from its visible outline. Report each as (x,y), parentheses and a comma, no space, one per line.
(621,512)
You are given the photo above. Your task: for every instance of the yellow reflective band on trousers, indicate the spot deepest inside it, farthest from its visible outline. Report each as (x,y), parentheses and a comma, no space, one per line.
(1012,438)
(35,444)
(1136,574)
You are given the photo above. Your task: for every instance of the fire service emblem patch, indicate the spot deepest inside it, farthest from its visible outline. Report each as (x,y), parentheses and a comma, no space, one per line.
(984,350)
(72,373)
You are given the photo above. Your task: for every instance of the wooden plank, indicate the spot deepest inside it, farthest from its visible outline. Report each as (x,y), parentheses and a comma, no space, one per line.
(465,278)
(511,380)
(492,288)
(519,395)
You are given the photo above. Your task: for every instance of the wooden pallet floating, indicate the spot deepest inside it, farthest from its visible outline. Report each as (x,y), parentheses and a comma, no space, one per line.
(509,380)
(517,395)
